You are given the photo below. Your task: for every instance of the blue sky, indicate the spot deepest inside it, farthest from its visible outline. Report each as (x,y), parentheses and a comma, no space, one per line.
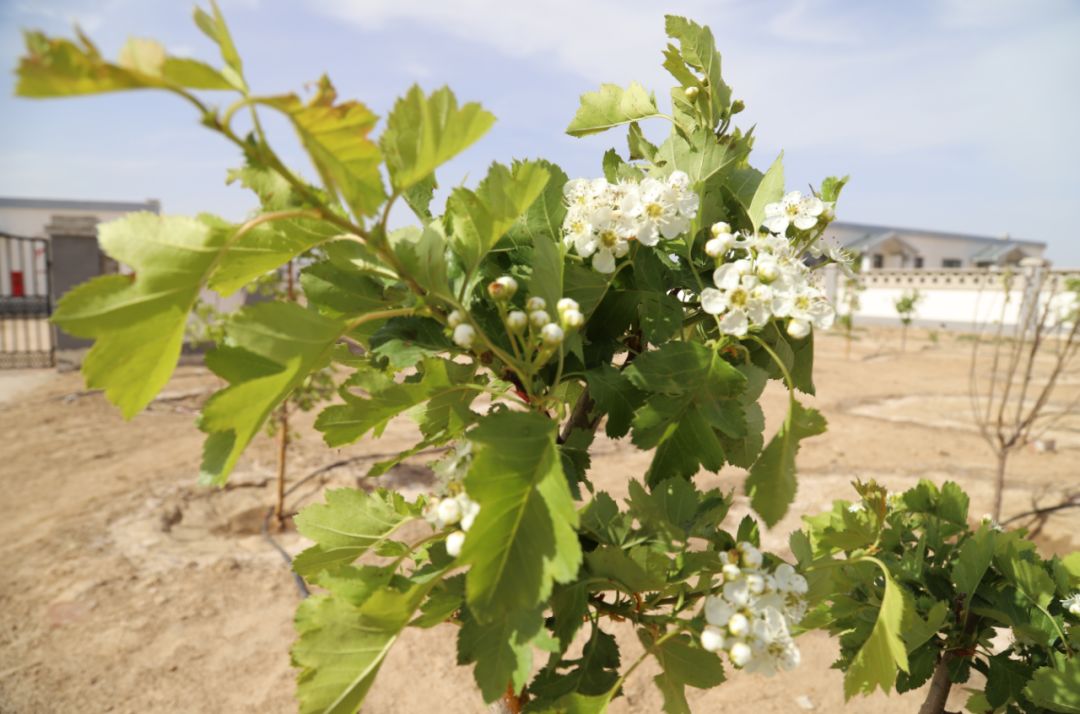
(954,115)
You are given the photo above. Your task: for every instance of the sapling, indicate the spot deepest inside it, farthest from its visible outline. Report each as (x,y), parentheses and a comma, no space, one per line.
(906,305)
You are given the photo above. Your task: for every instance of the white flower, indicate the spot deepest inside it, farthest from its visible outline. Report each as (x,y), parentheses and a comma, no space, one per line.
(788,580)
(856,507)
(793,208)
(539,318)
(551,334)
(718,611)
(454,541)
(716,247)
(712,639)
(1072,604)
(448,512)
(464,335)
(517,320)
(470,509)
(737,593)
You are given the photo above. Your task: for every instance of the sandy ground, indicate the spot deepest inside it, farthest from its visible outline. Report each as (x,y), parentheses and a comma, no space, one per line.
(128,588)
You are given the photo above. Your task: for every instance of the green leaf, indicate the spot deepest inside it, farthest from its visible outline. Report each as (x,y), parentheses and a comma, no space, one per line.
(524,538)
(347,525)
(422,133)
(603,520)
(679,368)
(336,291)
(770,190)
(592,674)
(640,147)
(953,504)
(214,27)
(615,396)
(612,106)
(972,561)
(296,340)
(423,255)
(682,664)
(137,322)
(1006,681)
(1029,576)
(445,385)
(771,482)
(336,138)
(342,647)
(698,50)
(640,569)
(1057,690)
(878,659)
(501,649)
(701,157)
(541,228)
(477,220)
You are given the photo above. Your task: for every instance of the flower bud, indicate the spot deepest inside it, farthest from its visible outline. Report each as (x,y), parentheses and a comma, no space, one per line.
(751,556)
(720,228)
(572,319)
(716,247)
(517,321)
(454,541)
(755,583)
(738,625)
(455,318)
(740,654)
(767,270)
(448,511)
(551,334)
(798,328)
(691,93)
(712,639)
(464,336)
(539,318)
(535,303)
(502,289)
(731,572)
(566,304)
(737,106)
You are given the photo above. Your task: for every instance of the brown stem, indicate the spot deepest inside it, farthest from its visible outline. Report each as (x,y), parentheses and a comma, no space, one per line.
(282,457)
(939,688)
(999,482)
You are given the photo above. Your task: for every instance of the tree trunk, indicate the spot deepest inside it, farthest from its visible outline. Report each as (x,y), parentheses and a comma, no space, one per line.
(999,483)
(903,338)
(939,688)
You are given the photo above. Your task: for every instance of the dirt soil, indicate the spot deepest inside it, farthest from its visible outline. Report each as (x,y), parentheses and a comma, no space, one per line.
(128,587)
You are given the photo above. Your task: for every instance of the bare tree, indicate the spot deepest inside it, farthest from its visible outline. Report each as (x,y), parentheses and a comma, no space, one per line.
(1009,401)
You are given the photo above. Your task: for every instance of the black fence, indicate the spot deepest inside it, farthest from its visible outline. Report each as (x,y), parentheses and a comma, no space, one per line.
(26,337)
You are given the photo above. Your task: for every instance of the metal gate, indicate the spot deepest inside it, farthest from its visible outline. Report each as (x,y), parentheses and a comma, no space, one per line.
(26,337)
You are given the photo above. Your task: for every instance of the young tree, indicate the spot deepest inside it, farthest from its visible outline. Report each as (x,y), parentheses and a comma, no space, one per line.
(906,305)
(1011,394)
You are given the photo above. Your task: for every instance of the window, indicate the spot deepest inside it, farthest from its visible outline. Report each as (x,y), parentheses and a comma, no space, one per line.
(951,262)
(879,260)
(918,261)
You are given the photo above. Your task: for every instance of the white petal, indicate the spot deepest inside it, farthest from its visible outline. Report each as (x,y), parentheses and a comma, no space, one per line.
(713,301)
(674,227)
(772,210)
(734,323)
(603,261)
(811,206)
(776,224)
(804,222)
(648,234)
(726,277)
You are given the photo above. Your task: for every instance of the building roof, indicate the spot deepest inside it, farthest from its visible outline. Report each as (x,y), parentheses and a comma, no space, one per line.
(872,229)
(994,252)
(151,204)
(871,240)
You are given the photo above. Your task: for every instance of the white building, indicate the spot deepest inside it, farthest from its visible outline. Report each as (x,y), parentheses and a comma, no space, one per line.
(888,247)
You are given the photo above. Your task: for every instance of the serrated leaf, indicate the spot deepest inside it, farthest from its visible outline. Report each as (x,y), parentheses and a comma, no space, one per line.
(476,220)
(883,653)
(1006,681)
(424,132)
(423,255)
(1057,690)
(335,291)
(771,482)
(611,106)
(137,322)
(640,147)
(770,190)
(524,538)
(214,27)
(335,136)
(698,49)
(972,561)
(446,383)
(615,396)
(342,647)
(501,649)
(296,340)
(700,157)
(683,664)
(347,525)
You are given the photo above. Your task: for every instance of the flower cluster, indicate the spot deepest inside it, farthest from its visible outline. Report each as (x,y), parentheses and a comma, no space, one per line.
(751,616)
(794,209)
(759,278)
(531,329)
(460,511)
(1072,604)
(602,218)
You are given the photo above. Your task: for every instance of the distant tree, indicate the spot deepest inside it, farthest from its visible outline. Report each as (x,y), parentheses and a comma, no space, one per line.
(905,308)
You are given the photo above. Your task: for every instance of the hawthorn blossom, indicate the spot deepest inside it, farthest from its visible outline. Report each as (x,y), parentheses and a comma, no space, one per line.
(803,212)
(751,616)
(1072,604)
